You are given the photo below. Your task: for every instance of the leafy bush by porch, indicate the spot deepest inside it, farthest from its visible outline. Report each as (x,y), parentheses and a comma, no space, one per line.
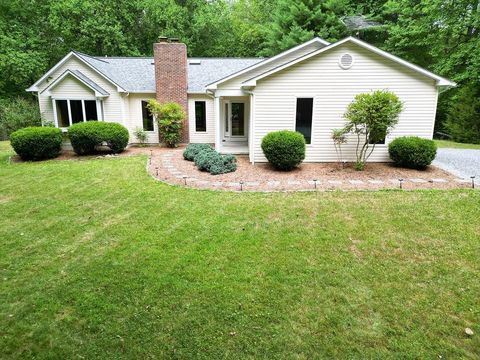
(412,152)
(37,143)
(85,137)
(284,149)
(193,149)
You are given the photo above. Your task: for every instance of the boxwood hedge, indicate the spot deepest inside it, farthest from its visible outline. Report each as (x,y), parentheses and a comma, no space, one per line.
(37,143)
(284,149)
(412,152)
(86,136)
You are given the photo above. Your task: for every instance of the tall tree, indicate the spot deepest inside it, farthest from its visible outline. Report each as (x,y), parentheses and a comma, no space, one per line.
(296,21)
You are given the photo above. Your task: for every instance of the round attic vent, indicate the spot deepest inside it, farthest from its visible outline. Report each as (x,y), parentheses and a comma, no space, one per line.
(346,61)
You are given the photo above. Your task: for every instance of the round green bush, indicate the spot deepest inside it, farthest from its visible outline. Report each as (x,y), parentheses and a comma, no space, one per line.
(37,143)
(284,149)
(412,152)
(193,149)
(86,136)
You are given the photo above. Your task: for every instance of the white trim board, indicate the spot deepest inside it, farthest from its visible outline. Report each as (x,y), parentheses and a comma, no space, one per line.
(71,73)
(213,86)
(34,87)
(440,80)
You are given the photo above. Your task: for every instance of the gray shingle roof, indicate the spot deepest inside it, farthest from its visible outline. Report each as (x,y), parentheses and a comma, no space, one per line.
(136,74)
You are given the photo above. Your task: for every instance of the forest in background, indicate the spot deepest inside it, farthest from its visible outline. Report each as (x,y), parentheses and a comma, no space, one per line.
(439,35)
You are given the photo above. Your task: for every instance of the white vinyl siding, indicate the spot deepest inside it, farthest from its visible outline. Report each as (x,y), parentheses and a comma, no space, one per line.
(207,137)
(333,89)
(236,82)
(73,88)
(135,118)
(113,108)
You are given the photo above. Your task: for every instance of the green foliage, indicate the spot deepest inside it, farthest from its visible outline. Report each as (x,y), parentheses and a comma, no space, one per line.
(170,118)
(294,22)
(339,138)
(37,143)
(371,116)
(463,118)
(223,164)
(193,149)
(86,136)
(207,159)
(18,113)
(141,136)
(284,149)
(412,152)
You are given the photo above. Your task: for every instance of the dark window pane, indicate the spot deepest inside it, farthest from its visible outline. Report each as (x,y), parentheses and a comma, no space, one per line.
(303,122)
(238,119)
(76,111)
(62,113)
(200,116)
(91,110)
(147,117)
(226,117)
(379,141)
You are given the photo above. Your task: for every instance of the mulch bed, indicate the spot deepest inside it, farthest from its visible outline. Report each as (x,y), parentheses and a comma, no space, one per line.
(168,165)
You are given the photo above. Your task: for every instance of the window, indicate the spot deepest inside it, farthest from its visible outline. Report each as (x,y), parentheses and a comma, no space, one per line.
(147,117)
(226,118)
(74,111)
(303,121)
(379,142)
(200,116)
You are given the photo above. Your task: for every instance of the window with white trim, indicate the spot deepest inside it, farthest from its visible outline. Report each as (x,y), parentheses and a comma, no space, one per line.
(303,118)
(200,116)
(72,111)
(147,117)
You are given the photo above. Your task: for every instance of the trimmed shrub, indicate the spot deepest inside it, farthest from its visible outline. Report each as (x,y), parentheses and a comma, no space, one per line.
(37,143)
(223,164)
(412,152)
(204,158)
(213,162)
(193,149)
(284,149)
(86,136)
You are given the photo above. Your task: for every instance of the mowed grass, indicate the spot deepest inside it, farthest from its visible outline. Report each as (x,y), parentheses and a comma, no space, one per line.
(98,260)
(456,145)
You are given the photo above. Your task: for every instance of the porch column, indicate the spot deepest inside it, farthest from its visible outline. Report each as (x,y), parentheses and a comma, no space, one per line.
(218,128)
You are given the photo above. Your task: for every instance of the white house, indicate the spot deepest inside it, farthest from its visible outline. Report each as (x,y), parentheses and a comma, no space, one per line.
(234,102)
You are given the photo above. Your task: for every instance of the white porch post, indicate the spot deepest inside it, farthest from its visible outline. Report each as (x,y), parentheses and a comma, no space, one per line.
(218,127)
(251,132)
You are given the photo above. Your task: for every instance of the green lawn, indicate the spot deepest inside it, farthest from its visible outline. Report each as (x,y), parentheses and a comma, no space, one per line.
(455,145)
(98,260)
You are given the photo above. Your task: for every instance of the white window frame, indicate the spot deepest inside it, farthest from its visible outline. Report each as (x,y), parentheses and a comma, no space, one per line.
(82,99)
(153,116)
(314,105)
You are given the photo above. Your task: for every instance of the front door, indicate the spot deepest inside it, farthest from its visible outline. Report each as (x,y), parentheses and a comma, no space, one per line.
(235,124)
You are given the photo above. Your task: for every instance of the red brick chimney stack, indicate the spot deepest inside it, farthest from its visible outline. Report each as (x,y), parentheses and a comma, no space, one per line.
(170,59)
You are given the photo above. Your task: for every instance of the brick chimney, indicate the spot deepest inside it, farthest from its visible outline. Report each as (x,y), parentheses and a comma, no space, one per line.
(170,59)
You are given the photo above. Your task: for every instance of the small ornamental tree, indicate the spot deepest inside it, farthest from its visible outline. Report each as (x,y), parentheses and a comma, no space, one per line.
(339,138)
(170,118)
(371,117)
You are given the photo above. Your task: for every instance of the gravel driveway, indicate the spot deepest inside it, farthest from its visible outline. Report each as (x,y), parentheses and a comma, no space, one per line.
(461,162)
